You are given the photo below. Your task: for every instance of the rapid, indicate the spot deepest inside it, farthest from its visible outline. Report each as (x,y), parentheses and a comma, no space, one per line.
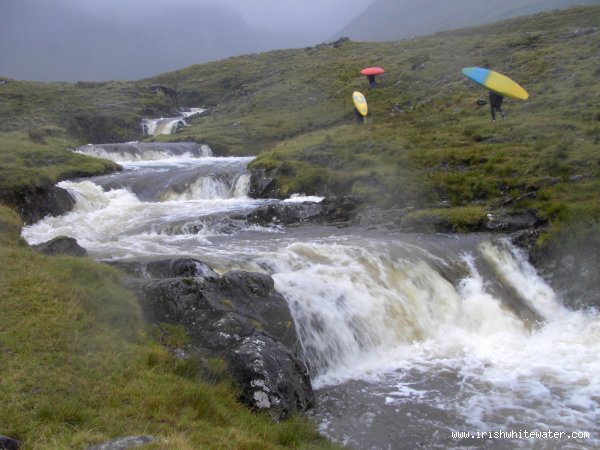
(409,338)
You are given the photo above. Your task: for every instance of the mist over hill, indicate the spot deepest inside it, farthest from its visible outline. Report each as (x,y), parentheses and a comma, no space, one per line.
(62,41)
(388,20)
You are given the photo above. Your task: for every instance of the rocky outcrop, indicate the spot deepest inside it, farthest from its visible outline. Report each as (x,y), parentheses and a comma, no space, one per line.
(332,210)
(262,183)
(167,268)
(35,203)
(239,317)
(511,222)
(61,245)
(570,268)
(159,89)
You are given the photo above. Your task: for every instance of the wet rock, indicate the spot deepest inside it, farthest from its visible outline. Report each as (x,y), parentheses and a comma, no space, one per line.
(182,267)
(331,210)
(166,268)
(527,240)
(262,183)
(570,268)
(123,443)
(510,222)
(285,213)
(61,245)
(7,443)
(241,318)
(35,203)
(378,218)
(269,377)
(218,224)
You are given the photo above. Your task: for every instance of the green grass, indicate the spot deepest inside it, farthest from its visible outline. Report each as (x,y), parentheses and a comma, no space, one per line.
(79,365)
(44,160)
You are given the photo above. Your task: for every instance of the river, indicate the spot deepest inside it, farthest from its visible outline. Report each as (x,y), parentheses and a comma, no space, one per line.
(409,338)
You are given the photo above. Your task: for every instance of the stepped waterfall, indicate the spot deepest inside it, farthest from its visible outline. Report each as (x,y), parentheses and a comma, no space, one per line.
(409,338)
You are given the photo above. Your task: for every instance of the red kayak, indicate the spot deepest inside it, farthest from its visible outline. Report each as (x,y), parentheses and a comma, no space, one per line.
(372,71)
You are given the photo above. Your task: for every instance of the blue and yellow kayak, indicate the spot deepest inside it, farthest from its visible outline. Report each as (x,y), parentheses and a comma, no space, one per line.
(495,82)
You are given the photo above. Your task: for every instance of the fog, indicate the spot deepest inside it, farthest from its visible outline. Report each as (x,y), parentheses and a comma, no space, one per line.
(97,40)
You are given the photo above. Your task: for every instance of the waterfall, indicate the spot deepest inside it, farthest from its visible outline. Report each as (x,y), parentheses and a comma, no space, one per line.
(356,307)
(214,187)
(147,151)
(169,125)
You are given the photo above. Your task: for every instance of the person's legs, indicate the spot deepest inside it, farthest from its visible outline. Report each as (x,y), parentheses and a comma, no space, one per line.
(499,107)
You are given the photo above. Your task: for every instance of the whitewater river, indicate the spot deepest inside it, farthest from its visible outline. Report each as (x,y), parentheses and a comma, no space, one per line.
(409,338)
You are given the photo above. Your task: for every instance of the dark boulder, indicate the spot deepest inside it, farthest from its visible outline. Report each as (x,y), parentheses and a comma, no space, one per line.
(35,203)
(176,268)
(331,210)
(270,379)
(241,318)
(61,245)
(7,443)
(285,213)
(166,268)
(262,183)
(510,222)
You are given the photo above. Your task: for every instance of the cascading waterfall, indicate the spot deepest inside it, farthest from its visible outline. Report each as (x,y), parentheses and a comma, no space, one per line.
(169,125)
(392,320)
(355,305)
(147,151)
(169,198)
(212,187)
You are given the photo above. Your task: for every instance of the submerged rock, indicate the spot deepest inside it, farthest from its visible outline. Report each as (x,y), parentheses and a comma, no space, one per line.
(241,318)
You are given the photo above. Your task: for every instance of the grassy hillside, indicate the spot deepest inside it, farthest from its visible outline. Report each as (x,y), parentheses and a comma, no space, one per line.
(426,143)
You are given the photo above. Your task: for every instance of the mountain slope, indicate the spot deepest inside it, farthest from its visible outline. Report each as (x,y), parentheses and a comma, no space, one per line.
(387,20)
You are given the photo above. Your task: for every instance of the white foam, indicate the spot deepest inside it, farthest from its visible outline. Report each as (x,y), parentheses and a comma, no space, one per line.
(301,198)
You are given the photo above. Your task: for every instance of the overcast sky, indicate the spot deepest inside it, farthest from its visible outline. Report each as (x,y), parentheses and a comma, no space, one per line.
(317,17)
(96,40)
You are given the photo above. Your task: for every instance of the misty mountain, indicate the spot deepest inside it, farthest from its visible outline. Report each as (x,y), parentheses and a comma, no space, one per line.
(387,20)
(49,41)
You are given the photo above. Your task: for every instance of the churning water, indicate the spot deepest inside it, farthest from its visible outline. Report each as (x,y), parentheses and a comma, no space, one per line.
(409,338)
